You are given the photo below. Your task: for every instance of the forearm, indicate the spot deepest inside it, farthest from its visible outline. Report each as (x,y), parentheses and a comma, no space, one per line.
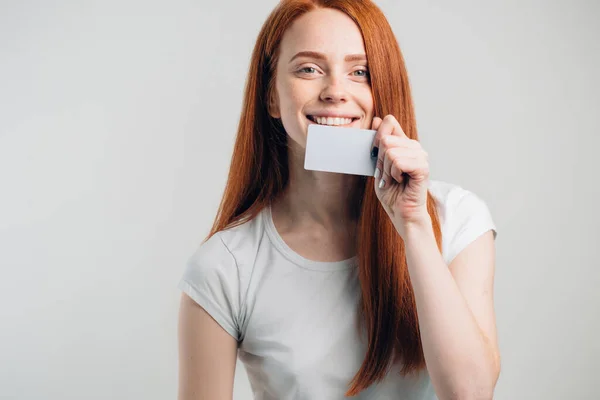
(459,360)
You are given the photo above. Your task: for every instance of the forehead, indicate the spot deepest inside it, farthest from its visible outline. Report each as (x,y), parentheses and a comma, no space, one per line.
(323,30)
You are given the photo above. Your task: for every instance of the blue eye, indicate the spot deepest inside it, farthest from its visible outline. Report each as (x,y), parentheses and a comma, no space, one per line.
(365,73)
(307,68)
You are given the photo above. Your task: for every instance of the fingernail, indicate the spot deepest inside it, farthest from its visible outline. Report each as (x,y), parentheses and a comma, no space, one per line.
(382,184)
(377,173)
(374,152)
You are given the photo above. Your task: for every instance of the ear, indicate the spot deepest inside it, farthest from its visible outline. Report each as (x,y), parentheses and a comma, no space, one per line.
(273,104)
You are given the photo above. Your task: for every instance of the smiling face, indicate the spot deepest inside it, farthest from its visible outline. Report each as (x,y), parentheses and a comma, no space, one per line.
(322,75)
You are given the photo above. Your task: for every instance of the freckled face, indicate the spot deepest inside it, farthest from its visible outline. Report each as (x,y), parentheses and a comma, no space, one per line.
(322,75)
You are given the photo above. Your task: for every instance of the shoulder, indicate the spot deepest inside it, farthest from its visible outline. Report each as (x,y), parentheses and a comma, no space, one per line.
(218,273)
(242,242)
(464,216)
(452,199)
(246,237)
(228,257)
(233,246)
(448,194)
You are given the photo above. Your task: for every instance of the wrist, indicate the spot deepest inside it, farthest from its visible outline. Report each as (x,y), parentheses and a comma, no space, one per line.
(416,227)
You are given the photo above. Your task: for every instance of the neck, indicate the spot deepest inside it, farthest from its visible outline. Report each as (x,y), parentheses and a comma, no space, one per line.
(314,198)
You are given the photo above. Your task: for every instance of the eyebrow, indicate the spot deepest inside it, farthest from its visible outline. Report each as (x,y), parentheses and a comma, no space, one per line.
(321,56)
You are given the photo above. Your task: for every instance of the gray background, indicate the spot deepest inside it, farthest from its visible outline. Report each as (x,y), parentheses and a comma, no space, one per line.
(117,120)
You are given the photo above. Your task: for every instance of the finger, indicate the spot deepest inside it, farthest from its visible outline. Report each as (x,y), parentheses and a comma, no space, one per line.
(402,163)
(391,141)
(388,142)
(408,166)
(384,128)
(389,175)
(397,129)
(383,142)
(383,147)
(376,123)
(375,126)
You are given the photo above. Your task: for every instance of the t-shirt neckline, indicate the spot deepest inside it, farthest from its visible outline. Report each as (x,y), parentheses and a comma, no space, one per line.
(296,258)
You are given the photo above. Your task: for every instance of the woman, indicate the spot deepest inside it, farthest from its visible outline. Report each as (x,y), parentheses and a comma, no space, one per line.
(334,285)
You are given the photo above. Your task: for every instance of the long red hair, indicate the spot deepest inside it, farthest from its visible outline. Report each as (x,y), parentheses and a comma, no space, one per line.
(259,173)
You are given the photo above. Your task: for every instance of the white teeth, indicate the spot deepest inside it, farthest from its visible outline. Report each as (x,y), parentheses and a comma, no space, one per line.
(332,121)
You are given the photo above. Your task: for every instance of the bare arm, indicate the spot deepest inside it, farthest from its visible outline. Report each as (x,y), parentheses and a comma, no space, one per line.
(456,314)
(207,355)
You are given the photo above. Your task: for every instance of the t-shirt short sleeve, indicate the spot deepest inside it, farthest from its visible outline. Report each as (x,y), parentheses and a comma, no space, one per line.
(211,279)
(467,218)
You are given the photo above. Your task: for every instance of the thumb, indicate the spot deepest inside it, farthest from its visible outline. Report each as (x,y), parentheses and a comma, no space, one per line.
(376,123)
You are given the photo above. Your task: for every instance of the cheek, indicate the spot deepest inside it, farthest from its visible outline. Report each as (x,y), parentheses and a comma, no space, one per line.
(297,95)
(368,102)
(292,102)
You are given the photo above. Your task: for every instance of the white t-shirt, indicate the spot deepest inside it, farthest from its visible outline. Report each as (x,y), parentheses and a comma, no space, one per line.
(295,319)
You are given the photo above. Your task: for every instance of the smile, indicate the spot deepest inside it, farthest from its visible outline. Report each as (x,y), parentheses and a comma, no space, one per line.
(331,121)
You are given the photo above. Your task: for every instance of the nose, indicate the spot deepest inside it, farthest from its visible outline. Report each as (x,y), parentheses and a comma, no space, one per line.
(334,91)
